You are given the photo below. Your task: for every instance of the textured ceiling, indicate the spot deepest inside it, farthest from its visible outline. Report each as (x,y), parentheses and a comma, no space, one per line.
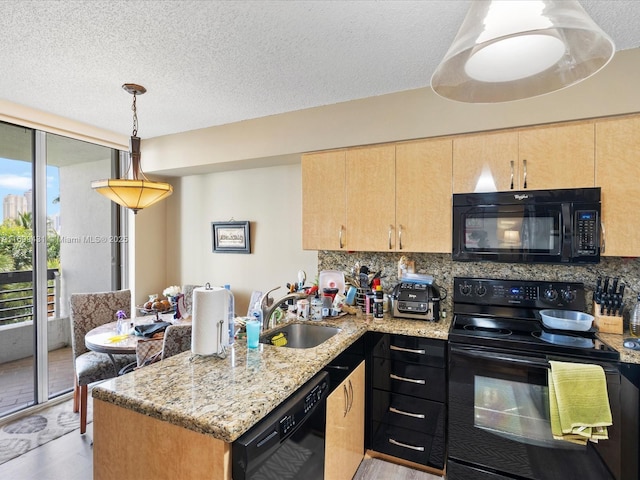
(208,63)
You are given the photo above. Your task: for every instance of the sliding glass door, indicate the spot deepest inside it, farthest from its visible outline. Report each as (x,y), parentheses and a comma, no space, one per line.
(54,240)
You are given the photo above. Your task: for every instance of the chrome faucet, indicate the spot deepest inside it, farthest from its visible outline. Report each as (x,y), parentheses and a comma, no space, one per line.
(268,305)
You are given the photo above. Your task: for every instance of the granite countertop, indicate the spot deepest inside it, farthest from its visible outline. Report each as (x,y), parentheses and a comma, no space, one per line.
(615,341)
(225,397)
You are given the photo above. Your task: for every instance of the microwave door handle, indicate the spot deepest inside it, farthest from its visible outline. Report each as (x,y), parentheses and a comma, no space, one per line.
(567,240)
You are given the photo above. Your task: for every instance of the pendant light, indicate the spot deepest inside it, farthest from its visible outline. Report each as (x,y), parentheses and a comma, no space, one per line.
(511,49)
(137,192)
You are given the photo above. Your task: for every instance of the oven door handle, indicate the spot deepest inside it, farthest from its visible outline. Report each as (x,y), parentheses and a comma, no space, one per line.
(475,353)
(529,361)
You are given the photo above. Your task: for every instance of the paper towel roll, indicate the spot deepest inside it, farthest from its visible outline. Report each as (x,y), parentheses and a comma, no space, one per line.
(210,306)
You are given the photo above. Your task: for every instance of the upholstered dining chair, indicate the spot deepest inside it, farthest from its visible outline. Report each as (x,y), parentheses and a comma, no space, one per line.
(88,311)
(176,339)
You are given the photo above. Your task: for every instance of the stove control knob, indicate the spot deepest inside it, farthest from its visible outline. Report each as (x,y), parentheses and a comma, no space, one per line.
(568,295)
(550,294)
(465,289)
(481,290)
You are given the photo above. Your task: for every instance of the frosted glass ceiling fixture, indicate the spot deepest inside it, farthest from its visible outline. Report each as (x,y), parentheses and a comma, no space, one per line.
(137,192)
(513,49)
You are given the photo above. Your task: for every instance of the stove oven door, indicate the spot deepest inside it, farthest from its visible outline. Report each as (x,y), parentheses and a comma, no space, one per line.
(499,421)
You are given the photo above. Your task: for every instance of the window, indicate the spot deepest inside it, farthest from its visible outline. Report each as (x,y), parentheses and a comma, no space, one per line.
(54,241)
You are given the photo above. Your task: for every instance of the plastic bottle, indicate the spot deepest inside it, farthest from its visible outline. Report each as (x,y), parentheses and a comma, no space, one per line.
(378,306)
(256,312)
(634,320)
(231,315)
(316,308)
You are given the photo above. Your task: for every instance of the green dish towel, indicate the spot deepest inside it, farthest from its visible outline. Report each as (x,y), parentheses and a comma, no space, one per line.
(578,402)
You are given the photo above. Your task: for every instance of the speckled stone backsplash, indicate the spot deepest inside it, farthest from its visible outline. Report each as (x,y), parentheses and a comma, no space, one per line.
(444,270)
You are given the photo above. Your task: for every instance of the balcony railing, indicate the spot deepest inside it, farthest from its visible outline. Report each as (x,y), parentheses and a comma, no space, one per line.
(16,296)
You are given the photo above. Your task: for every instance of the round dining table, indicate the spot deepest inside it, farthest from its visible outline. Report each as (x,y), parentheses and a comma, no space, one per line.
(105,339)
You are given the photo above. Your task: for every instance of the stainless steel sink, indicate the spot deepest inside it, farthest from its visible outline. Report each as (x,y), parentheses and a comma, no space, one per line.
(301,335)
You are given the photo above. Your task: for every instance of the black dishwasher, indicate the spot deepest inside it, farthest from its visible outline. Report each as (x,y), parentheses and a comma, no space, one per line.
(288,443)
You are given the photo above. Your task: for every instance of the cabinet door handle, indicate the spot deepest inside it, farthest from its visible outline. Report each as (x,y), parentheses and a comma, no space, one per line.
(602,237)
(346,400)
(400,237)
(512,174)
(524,175)
(390,230)
(408,414)
(340,237)
(410,380)
(406,445)
(350,395)
(408,350)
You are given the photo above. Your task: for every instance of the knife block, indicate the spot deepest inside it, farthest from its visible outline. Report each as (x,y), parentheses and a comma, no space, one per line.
(607,323)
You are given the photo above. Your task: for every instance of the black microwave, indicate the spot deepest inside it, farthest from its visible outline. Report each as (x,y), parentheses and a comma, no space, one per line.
(528,226)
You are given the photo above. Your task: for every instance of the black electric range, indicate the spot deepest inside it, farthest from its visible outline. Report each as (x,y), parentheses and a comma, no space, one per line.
(505,314)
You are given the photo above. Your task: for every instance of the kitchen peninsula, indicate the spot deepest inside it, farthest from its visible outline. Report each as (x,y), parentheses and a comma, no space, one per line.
(177,418)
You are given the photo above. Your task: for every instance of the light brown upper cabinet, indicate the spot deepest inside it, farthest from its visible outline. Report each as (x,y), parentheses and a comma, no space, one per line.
(396,197)
(556,156)
(323,200)
(617,173)
(486,162)
(371,198)
(423,196)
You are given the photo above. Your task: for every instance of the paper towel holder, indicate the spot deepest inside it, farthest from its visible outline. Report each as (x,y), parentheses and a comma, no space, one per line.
(222,353)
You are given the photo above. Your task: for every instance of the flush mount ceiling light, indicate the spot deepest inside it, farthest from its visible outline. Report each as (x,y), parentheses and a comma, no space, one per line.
(137,192)
(513,49)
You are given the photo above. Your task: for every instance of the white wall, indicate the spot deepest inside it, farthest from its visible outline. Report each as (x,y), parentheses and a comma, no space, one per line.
(267,197)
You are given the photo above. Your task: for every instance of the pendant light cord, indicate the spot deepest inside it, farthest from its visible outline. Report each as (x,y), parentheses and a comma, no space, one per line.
(135,117)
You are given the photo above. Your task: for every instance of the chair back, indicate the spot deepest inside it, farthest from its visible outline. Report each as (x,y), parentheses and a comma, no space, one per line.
(177,339)
(148,350)
(90,310)
(187,291)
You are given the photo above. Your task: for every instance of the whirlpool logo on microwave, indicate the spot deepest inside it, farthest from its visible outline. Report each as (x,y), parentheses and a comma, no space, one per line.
(521,197)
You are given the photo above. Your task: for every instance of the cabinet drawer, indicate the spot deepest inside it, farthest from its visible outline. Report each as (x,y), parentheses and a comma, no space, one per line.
(407,412)
(409,379)
(425,351)
(408,444)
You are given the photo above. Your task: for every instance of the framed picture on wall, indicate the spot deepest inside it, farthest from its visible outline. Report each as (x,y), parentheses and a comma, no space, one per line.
(231,237)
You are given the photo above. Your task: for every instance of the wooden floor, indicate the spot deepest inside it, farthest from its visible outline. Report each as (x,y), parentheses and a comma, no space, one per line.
(376,469)
(17,384)
(70,457)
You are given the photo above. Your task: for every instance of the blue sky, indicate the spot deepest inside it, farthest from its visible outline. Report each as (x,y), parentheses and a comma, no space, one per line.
(16,177)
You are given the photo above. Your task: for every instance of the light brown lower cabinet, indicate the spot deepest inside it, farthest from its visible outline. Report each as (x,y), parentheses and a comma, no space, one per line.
(344,448)
(131,446)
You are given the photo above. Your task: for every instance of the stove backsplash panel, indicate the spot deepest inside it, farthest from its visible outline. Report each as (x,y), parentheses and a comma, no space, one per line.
(444,270)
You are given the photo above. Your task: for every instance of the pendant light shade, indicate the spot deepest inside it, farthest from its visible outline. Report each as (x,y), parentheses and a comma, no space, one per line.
(510,50)
(136,192)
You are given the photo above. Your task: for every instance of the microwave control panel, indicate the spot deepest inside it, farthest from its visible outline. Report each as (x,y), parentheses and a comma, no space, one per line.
(586,232)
